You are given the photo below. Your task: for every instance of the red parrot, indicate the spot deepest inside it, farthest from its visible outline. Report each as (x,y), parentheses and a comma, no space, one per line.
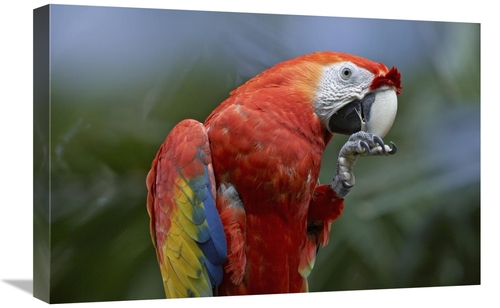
(235,203)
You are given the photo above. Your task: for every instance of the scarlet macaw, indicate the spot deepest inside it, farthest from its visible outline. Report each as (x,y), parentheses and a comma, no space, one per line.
(235,203)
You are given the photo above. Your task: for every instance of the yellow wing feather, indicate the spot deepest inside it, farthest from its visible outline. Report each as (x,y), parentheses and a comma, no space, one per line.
(185,226)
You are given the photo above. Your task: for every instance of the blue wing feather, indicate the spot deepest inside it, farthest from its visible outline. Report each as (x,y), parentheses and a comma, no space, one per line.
(215,248)
(185,225)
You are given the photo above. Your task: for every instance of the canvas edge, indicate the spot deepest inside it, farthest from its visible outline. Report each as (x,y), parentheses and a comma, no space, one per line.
(41,150)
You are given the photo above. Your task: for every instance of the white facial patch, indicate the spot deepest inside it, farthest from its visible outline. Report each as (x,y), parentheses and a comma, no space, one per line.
(340,84)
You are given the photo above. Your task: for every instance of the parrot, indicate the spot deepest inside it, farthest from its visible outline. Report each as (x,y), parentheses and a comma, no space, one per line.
(235,204)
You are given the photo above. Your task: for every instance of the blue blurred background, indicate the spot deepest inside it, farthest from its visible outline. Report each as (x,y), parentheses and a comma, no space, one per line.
(122,78)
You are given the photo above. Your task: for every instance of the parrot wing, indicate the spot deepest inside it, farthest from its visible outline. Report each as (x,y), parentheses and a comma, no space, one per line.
(186,228)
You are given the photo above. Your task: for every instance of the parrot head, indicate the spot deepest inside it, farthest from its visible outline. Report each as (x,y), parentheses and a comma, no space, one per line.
(347,93)
(355,94)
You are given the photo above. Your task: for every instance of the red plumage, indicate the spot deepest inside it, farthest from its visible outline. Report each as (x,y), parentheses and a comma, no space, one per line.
(268,143)
(266,146)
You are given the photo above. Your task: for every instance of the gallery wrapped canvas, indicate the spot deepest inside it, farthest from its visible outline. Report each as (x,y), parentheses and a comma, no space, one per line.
(111,83)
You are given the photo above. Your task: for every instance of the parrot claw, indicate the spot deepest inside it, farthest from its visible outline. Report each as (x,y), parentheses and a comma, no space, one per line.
(359,144)
(393,150)
(366,147)
(347,185)
(379,141)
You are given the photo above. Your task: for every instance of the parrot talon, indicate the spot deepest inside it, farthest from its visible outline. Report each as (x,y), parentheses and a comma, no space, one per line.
(393,150)
(359,144)
(366,147)
(347,185)
(380,142)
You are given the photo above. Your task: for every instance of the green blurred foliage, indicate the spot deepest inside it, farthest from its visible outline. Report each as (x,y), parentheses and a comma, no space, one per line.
(412,220)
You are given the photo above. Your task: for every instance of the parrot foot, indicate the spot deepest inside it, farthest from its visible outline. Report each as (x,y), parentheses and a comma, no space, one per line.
(359,144)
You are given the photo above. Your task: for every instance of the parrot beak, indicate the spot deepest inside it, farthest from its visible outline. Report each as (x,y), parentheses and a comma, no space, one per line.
(374,114)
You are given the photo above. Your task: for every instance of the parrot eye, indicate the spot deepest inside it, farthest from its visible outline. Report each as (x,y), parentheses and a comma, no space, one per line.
(346,73)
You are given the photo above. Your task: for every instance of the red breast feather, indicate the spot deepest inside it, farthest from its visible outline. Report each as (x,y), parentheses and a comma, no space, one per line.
(267,142)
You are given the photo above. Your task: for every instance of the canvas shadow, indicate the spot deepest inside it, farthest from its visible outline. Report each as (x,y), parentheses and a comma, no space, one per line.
(22,284)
